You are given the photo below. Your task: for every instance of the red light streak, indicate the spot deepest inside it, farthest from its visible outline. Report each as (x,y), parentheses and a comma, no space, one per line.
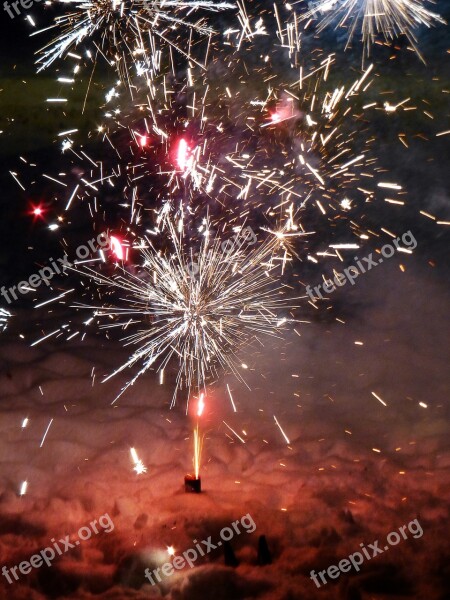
(117,248)
(182,154)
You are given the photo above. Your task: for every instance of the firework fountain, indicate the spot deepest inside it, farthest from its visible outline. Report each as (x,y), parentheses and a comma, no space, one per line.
(193,157)
(196,158)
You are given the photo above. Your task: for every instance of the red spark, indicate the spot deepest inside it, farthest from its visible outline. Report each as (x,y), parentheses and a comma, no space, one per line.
(116,248)
(143,141)
(201,405)
(182,154)
(275,117)
(37,210)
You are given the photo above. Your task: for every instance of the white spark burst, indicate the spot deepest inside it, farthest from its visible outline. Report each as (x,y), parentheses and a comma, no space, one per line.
(197,310)
(388,18)
(127,29)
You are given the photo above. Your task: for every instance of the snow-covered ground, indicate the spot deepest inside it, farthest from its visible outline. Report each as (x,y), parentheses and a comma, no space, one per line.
(353,471)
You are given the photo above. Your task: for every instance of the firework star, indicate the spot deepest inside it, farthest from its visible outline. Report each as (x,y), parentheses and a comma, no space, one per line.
(194,309)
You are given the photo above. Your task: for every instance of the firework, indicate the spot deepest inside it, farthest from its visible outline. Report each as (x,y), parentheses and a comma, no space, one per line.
(390,18)
(265,151)
(133,30)
(260,153)
(139,466)
(197,309)
(316,149)
(301,144)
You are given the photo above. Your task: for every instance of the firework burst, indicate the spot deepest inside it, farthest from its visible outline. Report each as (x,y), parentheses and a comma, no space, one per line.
(133,29)
(301,142)
(246,145)
(316,148)
(389,18)
(198,309)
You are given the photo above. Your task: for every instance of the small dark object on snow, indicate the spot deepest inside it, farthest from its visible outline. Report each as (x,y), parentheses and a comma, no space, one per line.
(229,555)
(192,485)
(264,556)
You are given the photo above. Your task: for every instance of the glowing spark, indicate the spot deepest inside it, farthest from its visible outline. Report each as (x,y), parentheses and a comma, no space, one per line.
(40,340)
(391,186)
(345,246)
(48,302)
(231,398)
(197,452)
(143,141)
(182,154)
(378,398)
(201,405)
(233,431)
(4,316)
(37,211)
(138,464)
(45,434)
(116,247)
(281,429)
(275,118)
